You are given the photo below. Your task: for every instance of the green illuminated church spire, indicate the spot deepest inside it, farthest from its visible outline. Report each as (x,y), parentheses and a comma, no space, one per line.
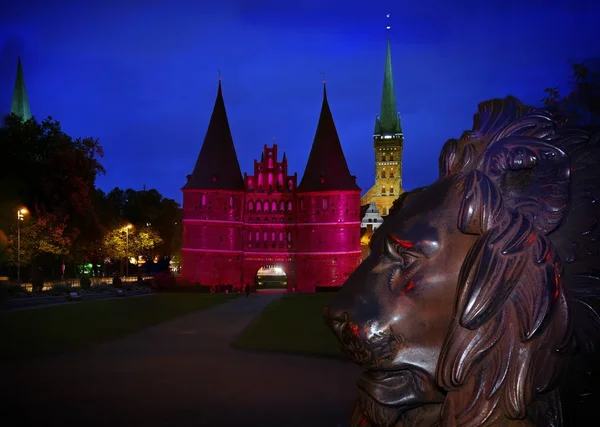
(20,102)
(388,122)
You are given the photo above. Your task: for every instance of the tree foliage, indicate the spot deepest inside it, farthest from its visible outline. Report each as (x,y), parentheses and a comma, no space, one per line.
(51,174)
(119,243)
(581,106)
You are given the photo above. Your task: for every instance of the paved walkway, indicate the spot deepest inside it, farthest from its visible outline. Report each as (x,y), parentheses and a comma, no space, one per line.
(178,374)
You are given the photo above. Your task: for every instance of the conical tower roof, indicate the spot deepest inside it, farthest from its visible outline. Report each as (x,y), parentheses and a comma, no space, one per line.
(20,102)
(326,169)
(388,122)
(217,166)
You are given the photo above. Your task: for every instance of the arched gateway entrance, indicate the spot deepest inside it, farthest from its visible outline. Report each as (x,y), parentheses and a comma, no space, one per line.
(271,276)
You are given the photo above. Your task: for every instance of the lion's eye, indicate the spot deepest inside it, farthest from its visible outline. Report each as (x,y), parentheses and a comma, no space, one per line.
(400,254)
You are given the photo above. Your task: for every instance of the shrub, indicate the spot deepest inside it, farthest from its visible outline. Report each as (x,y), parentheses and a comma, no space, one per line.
(12,290)
(101,287)
(85,282)
(61,289)
(164,281)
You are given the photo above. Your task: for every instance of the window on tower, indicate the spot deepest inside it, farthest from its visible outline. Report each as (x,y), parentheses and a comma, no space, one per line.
(290,185)
(265,206)
(273,206)
(249,236)
(289,236)
(250,183)
(257,236)
(260,181)
(382,190)
(383,174)
(258,206)
(204,200)
(324,203)
(265,236)
(270,161)
(270,179)
(391,190)
(282,206)
(289,206)
(250,206)
(230,202)
(280,179)
(281,236)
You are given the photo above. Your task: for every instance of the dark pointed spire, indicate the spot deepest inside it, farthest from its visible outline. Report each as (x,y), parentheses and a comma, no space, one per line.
(20,102)
(217,166)
(388,121)
(326,169)
(284,158)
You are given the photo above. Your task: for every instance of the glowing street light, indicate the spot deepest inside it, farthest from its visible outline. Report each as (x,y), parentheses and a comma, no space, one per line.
(127,228)
(20,216)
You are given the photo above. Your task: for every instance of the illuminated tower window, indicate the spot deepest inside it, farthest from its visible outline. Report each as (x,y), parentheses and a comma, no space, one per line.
(273,206)
(383,174)
(266,206)
(289,206)
(282,206)
(280,179)
(257,235)
(230,201)
(250,206)
(270,162)
(204,200)
(258,206)
(324,203)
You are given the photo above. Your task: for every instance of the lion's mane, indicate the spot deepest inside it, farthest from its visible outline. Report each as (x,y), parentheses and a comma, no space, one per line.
(527,296)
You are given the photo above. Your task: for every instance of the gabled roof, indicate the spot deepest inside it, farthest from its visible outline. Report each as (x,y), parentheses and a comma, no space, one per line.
(326,169)
(20,101)
(217,167)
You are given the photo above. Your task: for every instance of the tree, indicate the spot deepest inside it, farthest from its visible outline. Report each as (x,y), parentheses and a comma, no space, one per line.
(581,107)
(53,175)
(142,241)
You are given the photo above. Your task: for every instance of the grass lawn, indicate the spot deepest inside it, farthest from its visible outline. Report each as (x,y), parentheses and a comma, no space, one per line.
(292,324)
(57,329)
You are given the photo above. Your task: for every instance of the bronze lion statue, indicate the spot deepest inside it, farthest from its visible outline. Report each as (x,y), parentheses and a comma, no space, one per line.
(478,304)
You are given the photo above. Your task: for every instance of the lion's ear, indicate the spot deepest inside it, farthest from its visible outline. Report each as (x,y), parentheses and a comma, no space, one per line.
(533,178)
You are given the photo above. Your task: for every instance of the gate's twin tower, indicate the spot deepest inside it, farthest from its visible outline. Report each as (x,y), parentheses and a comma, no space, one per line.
(234,225)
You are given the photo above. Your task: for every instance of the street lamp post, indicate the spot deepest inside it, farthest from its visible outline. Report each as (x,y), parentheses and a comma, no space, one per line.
(20,215)
(127,250)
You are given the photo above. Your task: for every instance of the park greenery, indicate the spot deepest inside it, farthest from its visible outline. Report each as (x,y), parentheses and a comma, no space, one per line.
(292,324)
(68,219)
(68,327)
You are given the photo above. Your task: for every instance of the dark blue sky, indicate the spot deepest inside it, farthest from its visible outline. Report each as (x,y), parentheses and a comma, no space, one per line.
(141,76)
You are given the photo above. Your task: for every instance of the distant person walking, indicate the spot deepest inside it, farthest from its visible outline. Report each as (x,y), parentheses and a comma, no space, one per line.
(247,290)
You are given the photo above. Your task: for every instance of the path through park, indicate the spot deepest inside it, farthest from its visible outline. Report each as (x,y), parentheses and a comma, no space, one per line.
(178,374)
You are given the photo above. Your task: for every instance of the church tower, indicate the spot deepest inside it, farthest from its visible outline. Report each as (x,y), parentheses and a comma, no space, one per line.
(328,212)
(20,102)
(388,143)
(213,203)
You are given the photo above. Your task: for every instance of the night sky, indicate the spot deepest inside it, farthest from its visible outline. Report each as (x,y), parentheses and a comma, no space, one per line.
(141,76)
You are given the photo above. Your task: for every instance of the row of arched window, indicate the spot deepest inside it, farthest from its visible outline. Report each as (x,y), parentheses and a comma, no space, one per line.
(387,157)
(256,235)
(391,191)
(384,174)
(266,206)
